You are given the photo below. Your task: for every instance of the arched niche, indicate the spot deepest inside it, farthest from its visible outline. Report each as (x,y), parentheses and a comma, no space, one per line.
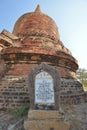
(44,86)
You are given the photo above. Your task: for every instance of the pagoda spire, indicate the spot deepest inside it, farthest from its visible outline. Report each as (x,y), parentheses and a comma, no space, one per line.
(38,9)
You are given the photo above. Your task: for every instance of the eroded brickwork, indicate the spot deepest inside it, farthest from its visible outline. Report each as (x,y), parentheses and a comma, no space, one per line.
(72,92)
(14,91)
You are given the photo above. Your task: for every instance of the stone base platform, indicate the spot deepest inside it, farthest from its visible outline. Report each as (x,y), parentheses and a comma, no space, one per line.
(45,120)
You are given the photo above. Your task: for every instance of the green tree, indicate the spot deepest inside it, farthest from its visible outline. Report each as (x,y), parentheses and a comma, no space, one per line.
(82,76)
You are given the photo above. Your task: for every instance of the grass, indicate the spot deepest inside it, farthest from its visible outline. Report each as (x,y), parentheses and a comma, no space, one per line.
(20,112)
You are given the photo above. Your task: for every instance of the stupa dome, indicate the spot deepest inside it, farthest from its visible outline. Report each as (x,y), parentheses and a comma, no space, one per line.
(35,39)
(36,23)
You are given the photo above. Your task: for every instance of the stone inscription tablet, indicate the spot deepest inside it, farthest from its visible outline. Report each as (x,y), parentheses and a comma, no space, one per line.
(44,91)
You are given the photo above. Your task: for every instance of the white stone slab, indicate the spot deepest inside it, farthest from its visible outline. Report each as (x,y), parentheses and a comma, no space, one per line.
(44,91)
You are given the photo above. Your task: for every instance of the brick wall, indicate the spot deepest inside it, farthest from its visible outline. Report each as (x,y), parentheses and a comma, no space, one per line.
(14,91)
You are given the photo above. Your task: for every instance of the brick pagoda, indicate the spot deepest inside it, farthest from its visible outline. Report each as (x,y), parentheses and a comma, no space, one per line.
(35,39)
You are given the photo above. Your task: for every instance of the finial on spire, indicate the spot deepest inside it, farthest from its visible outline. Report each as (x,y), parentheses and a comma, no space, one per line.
(38,9)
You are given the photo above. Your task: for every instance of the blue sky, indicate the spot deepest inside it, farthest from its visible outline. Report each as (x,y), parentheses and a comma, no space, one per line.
(69,15)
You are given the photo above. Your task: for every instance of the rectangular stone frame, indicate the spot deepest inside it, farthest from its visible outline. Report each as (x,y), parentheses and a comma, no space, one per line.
(56,81)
